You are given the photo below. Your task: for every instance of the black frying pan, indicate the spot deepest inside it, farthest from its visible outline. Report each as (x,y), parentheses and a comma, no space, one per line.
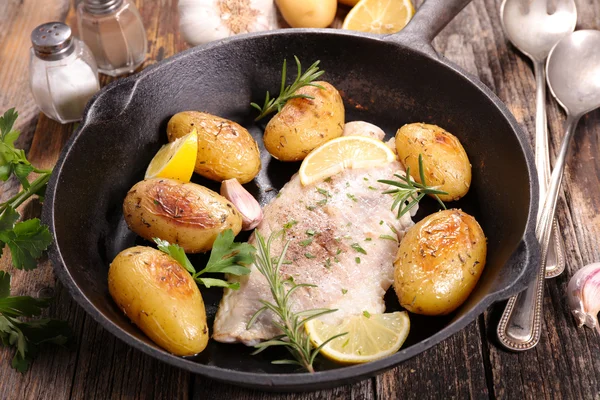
(388,81)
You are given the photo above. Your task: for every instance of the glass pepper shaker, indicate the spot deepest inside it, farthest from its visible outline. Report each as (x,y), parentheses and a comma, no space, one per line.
(62,72)
(114,31)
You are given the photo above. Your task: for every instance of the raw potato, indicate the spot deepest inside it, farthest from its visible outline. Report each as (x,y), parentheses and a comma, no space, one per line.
(439,262)
(304,124)
(226,150)
(445,161)
(184,213)
(308,13)
(161,298)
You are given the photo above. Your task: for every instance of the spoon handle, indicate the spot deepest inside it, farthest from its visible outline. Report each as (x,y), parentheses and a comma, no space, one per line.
(521,323)
(555,259)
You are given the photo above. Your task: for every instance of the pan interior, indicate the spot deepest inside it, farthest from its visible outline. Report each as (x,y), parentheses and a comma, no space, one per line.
(381,83)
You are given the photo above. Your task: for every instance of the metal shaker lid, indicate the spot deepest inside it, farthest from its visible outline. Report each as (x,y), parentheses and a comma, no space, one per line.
(52,41)
(101,6)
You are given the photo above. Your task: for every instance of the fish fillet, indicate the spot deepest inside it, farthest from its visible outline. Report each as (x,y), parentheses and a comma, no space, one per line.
(340,233)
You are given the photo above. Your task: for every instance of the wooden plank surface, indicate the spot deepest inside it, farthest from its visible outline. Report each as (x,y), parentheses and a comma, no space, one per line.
(467,365)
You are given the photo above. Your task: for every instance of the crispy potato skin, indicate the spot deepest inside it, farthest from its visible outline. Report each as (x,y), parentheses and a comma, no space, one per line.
(439,262)
(445,161)
(304,124)
(226,149)
(161,298)
(184,213)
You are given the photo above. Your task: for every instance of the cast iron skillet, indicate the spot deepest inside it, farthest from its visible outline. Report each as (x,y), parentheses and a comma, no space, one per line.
(388,81)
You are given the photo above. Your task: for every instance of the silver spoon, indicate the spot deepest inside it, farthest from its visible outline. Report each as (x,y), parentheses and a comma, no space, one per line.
(530,27)
(573,70)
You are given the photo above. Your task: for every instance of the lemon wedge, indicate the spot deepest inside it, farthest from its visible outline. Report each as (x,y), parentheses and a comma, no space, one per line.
(379,16)
(369,337)
(342,153)
(175,160)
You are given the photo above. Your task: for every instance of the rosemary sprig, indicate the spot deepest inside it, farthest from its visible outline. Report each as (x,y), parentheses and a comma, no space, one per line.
(287,92)
(290,323)
(408,189)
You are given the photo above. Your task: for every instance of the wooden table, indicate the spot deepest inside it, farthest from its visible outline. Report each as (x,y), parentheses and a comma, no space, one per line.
(566,363)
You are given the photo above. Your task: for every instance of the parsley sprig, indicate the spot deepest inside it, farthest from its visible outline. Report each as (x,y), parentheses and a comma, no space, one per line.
(28,239)
(226,257)
(288,92)
(408,193)
(290,323)
(26,337)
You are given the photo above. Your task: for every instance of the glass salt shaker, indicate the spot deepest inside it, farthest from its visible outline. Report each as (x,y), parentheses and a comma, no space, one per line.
(114,31)
(62,72)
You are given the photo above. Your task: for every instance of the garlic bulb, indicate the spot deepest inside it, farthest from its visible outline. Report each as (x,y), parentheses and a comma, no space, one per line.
(246,204)
(584,296)
(202,21)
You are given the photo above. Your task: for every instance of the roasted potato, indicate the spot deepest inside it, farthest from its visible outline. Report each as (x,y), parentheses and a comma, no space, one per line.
(439,262)
(226,150)
(445,161)
(304,124)
(184,213)
(161,298)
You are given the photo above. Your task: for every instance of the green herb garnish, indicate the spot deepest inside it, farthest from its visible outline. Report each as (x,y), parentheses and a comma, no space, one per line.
(409,192)
(352,197)
(291,324)
(27,240)
(289,224)
(357,247)
(226,257)
(306,242)
(357,260)
(344,291)
(27,336)
(367,314)
(289,92)
(388,237)
(323,192)
(309,255)
(311,232)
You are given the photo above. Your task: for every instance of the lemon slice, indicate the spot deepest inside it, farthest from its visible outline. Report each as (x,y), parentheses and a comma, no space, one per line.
(369,337)
(379,16)
(175,160)
(342,153)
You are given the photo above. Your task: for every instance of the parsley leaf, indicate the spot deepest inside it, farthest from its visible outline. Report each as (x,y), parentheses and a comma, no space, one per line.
(6,123)
(26,337)
(229,257)
(209,282)
(177,253)
(26,241)
(226,257)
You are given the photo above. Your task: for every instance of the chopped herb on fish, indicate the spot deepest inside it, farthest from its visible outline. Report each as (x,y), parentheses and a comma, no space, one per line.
(306,242)
(388,237)
(357,247)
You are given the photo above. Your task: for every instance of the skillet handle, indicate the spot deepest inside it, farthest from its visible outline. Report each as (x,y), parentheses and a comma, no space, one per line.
(429,20)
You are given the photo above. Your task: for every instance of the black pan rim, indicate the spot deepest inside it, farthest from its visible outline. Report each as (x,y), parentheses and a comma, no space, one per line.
(295,381)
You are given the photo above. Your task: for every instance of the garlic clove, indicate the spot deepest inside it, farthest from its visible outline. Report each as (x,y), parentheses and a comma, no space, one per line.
(202,21)
(246,204)
(584,296)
